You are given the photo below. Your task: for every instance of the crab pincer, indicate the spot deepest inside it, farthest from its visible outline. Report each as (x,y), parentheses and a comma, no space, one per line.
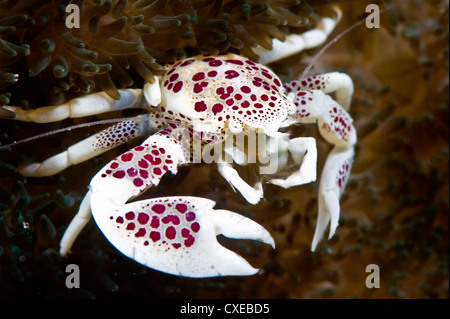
(177,235)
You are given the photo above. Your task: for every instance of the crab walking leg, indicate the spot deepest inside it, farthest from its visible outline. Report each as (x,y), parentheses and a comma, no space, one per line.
(332,183)
(95,103)
(334,82)
(304,153)
(335,125)
(76,225)
(251,194)
(295,43)
(92,146)
(177,235)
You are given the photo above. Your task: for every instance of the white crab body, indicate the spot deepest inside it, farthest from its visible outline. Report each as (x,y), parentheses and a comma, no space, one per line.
(212,90)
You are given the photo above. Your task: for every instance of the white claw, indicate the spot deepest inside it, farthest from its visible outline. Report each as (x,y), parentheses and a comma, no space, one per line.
(233,225)
(177,235)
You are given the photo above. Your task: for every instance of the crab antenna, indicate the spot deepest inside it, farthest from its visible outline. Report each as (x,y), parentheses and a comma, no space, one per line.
(66,129)
(339,36)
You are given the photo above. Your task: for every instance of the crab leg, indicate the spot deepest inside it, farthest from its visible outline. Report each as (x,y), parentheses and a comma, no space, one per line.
(251,194)
(335,125)
(295,43)
(304,152)
(332,183)
(76,225)
(95,103)
(92,146)
(334,82)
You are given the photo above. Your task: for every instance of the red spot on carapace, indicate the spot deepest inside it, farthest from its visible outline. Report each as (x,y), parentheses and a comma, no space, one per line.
(217,108)
(126,157)
(182,208)
(155,222)
(171,219)
(234,61)
(138,182)
(195,227)
(200,106)
(143,163)
(187,62)
(231,74)
(174,77)
(155,236)
(245,89)
(215,63)
(119,174)
(185,233)
(198,76)
(132,172)
(141,232)
(119,220)
(190,216)
(153,160)
(130,215)
(143,173)
(178,86)
(189,241)
(114,165)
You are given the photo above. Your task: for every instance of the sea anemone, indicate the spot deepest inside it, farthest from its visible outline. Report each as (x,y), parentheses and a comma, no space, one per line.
(114,40)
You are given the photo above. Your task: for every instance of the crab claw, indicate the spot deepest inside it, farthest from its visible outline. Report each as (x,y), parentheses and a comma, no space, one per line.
(177,235)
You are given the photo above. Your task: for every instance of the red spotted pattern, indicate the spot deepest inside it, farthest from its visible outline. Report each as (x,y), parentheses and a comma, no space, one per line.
(335,117)
(144,165)
(165,223)
(116,135)
(340,123)
(318,82)
(226,87)
(343,174)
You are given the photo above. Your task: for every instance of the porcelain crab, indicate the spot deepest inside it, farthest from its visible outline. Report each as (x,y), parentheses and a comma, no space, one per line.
(200,103)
